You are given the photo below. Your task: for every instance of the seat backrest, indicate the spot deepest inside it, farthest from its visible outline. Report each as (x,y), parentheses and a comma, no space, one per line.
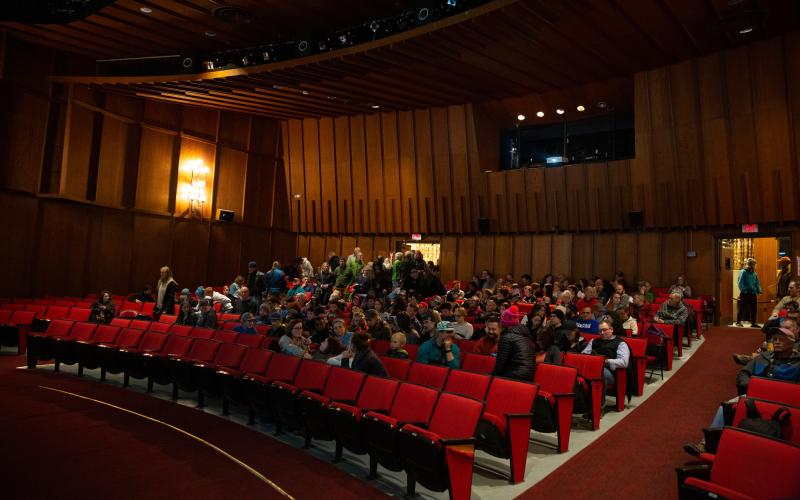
(167,319)
(130,306)
(39,309)
(153,341)
(106,334)
(5,315)
(508,396)
(412,350)
(250,340)
(470,384)
(282,367)
(229,317)
(22,317)
(83,305)
(414,403)
(262,329)
(479,363)
(343,384)
(147,308)
(555,379)
(455,416)
(79,314)
(121,322)
(230,325)
(466,346)
(204,350)
(64,303)
(431,375)
(588,365)
(255,361)
(790,427)
(59,328)
(312,375)
(695,304)
(182,330)
(396,368)
(381,347)
(755,465)
(22,301)
(57,312)
(140,324)
(637,346)
(202,333)
(159,327)
(43,302)
(230,355)
(177,345)
(129,337)
(83,332)
(377,394)
(779,391)
(225,336)
(14,306)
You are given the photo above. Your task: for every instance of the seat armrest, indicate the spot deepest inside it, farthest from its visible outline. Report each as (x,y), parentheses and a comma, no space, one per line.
(564,395)
(698,471)
(513,416)
(421,425)
(712,436)
(458,441)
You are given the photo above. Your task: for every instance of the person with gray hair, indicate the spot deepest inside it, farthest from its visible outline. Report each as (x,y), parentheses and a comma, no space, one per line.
(672,311)
(749,288)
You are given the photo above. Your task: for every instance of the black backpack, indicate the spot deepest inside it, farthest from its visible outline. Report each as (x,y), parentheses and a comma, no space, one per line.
(771,428)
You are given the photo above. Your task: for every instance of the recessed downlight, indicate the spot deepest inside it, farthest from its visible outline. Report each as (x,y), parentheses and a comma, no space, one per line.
(210,34)
(520,117)
(145,10)
(540,114)
(560,111)
(581,108)
(746,30)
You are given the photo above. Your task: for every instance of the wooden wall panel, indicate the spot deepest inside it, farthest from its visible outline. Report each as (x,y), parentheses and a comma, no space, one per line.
(537,199)
(345,199)
(466,266)
(441,170)
(329,203)
(200,121)
(155,165)
(518,214)
(190,252)
(477,170)
(541,258)
(582,255)
(700,270)
(449,258)
(316,251)
(59,272)
(109,267)
(484,253)
(255,246)
(229,187)
(393,208)
(18,218)
(426,186)
(576,193)
(313,199)
(363,181)
(497,201)
(556,199)
(234,130)
(365,243)
(409,197)
(378,204)
(604,255)
(522,255)
(75,172)
(264,193)
(162,114)
(225,249)
(650,260)
(673,256)
(265,135)
(303,244)
(152,248)
(111,167)
(297,190)
(503,255)
(22,150)
(562,254)
(459,166)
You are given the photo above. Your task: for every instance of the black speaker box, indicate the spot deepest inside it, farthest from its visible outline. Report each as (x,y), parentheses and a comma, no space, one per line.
(483,226)
(636,220)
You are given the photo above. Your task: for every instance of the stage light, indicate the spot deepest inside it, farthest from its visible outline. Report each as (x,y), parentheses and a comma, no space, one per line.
(323,45)
(520,117)
(145,10)
(423,14)
(210,34)
(343,39)
(209,65)
(745,31)
(581,108)
(540,114)
(452,3)
(304,92)
(375,106)
(302,46)
(374,26)
(245,61)
(560,111)
(602,104)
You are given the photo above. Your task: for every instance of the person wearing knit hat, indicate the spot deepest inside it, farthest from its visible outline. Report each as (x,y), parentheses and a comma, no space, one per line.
(510,317)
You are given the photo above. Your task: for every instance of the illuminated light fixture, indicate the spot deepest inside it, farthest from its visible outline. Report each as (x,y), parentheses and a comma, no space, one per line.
(487,171)
(602,104)
(305,92)
(540,114)
(332,98)
(520,117)
(375,106)
(297,196)
(423,14)
(210,34)
(195,191)
(746,30)
(209,65)
(581,108)
(245,61)
(560,111)
(277,87)
(145,10)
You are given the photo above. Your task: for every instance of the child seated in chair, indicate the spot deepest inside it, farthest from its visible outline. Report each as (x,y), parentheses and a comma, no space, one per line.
(397,346)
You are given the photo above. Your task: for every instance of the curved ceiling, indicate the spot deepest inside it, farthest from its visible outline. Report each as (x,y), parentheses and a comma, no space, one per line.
(504,49)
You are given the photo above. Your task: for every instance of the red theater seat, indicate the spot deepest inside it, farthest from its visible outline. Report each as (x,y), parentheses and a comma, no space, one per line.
(466,347)
(225,336)
(56,312)
(229,357)
(381,347)
(343,386)
(167,318)
(464,383)
(311,378)
(281,368)
(109,354)
(590,381)
(638,348)
(87,349)
(140,324)
(127,305)
(479,363)
(396,368)
(40,345)
(15,331)
(159,327)
(412,350)
(779,391)
(255,363)
(79,314)
(202,333)
(229,317)
(64,303)
(429,375)
(180,367)
(147,309)
(182,330)
(554,401)
(156,363)
(440,456)
(230,325)
(39,309)
(65,349)
(121,322)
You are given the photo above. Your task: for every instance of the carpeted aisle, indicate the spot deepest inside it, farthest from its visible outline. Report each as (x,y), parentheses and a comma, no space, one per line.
(637,457)
(57,445)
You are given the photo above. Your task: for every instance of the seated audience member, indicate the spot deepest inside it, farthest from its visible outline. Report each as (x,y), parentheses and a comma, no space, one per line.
(263,314)
(296,288)
(615,303)
(589,299)
(794,296)
(397,346)
(245,303)
(360,356)
(377,329)
(235,287)
(547,350)
(440,350)
(672,311)
(319,329)
(612,347)
(461,327)
(401,323)
(337,342)
(586,322)
(515,357)
(207,316)
(681,286)
(489,342)
(103,310)
(248,324)
(571,341)
(187,315)
(646,289)
(626,322)
(782,363)
(277,328)
(455,293)
(186,296)
(428,327)
(146,295)
(214,297)
(642,310)
(293,342)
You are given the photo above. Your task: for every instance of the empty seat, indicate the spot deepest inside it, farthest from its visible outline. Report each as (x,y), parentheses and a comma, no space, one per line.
(57,312)
(504,429)
(43,302)
(343,385)
(147,309)
(638,348)
(381,347)
(225,336)
(430,375)
(79,314)
(396,368)
(254,362)
(281,368)
(121,322)
(229,356)
(83,305)
(180,367)
(466,346)
(202,333)
(140,324)
(779,391)
(311,377)
(413,404)
(250,340)
(64,303)
(40,344)
(479,363)
(87,355)
(156,362)
(377,394)
(127,305)
(440,456)
(15,331)
(65,349)
(554,401)
(470,384)
(109,354)
(133,359)
(590,382)
(183,330)
(167,318)
(230,325)
(229,317)
(159,327)
(412,350)
(39,309)
(14,306)
(5,315)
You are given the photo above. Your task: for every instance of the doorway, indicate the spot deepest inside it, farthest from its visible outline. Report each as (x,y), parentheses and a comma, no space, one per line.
(734,253)
(430,250)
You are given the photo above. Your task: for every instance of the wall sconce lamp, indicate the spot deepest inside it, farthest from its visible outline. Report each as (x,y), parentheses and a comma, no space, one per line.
(195,192)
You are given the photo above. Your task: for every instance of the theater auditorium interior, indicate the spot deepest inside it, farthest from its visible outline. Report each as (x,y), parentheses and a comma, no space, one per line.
(464,249)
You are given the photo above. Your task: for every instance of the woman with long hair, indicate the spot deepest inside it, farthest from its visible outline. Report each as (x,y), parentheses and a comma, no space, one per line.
(165,299)
(103,309)
(293,342)
(359,356)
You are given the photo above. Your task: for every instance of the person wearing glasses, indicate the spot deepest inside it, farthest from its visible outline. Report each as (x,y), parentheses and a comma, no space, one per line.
(293,343)
(461,327)
(248,324)
(612,347)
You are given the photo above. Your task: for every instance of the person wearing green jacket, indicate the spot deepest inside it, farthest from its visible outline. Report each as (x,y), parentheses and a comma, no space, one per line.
(749,287)
(440,350)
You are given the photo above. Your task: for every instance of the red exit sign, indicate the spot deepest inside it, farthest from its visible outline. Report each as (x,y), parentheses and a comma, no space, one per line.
(416,237)
(749,228)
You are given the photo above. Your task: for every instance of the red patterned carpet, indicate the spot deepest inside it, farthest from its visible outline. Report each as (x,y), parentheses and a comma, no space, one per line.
(637,457)
(58,445)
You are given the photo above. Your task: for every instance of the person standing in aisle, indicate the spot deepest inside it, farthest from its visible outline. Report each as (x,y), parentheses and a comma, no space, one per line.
(749,288)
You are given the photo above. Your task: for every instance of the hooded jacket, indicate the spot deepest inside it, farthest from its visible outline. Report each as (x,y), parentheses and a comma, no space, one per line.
(515,357)
(767,365)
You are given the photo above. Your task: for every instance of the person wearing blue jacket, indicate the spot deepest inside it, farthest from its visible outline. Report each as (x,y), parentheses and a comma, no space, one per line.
(275,280)
(440,350)
(749,288)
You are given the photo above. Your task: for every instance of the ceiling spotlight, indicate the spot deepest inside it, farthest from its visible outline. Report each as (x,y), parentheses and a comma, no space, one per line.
(423,13)
(540,114)
(560,111)
(375,106)
(265,56)
(302,46)
(305,92)
(332,98)
(581,107)
(210,34)
(602,104)
(245,61)
(297,196)
(323,45)
(746,30)
(209,65)
(145,10)
(374,26)
(520,117)
(487,171)
(277,87)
